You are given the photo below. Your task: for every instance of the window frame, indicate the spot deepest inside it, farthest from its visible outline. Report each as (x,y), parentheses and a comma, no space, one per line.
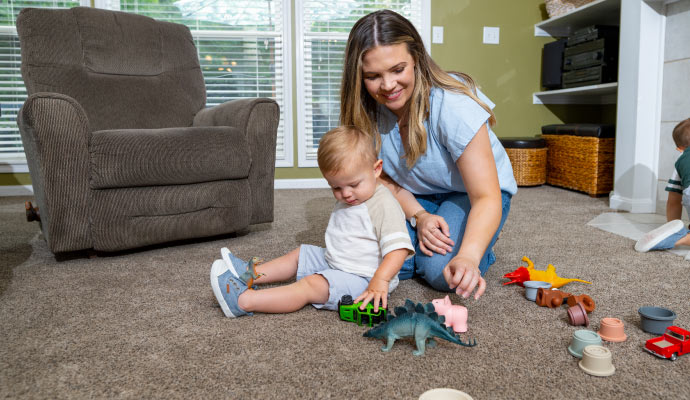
(16,163)
(286,107)
(300,83)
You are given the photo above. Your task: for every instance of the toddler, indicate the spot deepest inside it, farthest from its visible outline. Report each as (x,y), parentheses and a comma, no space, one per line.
(366,242)
(673,233)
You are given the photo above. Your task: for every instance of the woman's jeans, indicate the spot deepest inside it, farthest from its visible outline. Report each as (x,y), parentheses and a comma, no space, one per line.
(454,208)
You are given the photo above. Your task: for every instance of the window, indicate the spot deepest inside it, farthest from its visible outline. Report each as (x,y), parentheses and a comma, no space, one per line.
(244,50)
(322,28)
(12,91)
(242,46)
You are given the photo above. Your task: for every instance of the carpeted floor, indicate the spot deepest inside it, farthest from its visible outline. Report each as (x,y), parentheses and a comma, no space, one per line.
(144,324)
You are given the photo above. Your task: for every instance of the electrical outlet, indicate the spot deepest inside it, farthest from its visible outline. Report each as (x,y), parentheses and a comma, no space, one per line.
(491,34)
(437,34)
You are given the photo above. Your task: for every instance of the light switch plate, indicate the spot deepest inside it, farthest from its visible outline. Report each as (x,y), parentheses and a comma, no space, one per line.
(491,34)
(437,34)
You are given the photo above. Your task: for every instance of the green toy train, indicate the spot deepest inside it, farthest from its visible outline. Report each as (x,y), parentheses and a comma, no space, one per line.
(349,311)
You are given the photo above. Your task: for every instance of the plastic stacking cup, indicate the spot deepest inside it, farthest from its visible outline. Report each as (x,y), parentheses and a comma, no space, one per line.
(577,315)
(597,361)
(656,319)
(444,394)
(531,288)
(611,330)
(581,339)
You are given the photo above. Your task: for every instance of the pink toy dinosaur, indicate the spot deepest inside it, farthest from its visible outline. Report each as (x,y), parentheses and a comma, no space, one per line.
(456,316)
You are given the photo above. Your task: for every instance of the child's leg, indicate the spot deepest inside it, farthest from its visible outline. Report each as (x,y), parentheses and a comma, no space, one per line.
(684,241)
(276,270)
(288,298)
(279,269)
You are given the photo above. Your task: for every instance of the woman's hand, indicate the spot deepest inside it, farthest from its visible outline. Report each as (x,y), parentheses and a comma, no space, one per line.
(462,274)
(376,292)
(433,235)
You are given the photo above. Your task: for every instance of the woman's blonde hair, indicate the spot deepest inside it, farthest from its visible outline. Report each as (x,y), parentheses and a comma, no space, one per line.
(343,146)
(358,108)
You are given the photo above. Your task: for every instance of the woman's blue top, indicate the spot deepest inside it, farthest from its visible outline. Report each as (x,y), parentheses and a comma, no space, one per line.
(454,119)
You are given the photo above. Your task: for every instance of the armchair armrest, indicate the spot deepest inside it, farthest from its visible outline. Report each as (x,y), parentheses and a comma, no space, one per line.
(259,119)
(55,133)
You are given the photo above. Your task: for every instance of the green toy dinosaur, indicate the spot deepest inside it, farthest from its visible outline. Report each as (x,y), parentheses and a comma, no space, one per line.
(418,321)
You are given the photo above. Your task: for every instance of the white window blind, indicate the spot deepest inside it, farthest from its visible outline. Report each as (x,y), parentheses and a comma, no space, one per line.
(241,46)
(12,90)
(322,30)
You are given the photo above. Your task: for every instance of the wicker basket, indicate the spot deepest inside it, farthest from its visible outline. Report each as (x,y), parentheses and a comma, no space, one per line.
(558,7)
(528,159)
(581,163)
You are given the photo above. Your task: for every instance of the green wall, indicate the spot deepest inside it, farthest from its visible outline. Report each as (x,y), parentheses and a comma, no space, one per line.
(508,72)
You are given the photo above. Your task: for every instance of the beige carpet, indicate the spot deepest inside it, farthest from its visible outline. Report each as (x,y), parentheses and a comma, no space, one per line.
(144,324)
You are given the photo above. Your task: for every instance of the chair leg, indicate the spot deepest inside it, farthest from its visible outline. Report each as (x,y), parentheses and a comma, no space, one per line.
(32,213)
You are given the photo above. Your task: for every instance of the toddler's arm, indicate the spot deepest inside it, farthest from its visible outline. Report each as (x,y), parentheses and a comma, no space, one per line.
(378,285)
(674,206)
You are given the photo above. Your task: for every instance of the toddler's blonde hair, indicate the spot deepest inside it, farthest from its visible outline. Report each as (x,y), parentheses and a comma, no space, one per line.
(343,146)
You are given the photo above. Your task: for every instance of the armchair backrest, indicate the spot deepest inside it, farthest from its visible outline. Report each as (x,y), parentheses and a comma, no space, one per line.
(126,70)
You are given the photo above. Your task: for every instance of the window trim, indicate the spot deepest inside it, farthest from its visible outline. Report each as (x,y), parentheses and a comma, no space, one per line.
(18,164)
(14,164)
(300,83)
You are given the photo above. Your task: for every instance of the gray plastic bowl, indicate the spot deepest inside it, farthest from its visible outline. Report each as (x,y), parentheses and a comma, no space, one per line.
(531,288)
(656,319)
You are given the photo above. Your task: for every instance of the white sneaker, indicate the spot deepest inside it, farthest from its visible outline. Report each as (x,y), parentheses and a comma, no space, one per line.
(673,230)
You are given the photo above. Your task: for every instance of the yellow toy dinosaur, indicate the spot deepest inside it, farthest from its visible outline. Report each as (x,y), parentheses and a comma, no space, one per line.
(523,274)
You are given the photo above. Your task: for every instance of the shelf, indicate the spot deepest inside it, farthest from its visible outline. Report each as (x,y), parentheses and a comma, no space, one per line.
(599,12)
(595,94)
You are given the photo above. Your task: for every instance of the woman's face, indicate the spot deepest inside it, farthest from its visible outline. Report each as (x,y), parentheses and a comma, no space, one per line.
(388,73)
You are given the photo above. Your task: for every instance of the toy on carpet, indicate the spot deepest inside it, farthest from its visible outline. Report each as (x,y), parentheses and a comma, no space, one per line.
(455,316)
(551,298)
(555,298)
(675,342)
(523,274)
(418,321)
(349,311)
(250,274)
(586,301)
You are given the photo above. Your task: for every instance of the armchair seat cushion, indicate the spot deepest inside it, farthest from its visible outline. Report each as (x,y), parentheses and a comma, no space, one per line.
(122,158)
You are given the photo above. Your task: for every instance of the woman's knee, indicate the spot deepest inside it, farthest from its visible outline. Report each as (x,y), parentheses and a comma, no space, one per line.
(432,273)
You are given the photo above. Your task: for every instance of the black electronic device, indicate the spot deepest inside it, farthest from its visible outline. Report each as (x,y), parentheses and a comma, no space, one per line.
(593,32)
(589,54)
(589,76)
(551,64)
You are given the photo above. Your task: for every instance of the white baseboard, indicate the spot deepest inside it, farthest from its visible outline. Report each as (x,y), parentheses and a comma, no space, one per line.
(637,206)
(319,183)
(18,190)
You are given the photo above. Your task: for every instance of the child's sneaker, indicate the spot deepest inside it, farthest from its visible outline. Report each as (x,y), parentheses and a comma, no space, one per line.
(227,287)
(663,237)
(244,270)
(234,262)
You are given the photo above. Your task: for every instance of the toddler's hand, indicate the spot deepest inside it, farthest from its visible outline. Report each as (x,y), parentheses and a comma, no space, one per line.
(462,274)
(377,291)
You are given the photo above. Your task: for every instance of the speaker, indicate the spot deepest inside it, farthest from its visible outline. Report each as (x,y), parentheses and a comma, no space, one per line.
(552,63)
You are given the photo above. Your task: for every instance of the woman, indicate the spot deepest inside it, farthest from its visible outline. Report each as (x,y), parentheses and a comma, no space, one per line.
(441,160)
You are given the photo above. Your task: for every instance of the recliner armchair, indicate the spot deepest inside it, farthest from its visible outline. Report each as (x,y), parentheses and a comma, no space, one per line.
(121,151)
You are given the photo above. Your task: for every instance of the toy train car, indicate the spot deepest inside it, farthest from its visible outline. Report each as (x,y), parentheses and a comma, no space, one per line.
(349,311)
